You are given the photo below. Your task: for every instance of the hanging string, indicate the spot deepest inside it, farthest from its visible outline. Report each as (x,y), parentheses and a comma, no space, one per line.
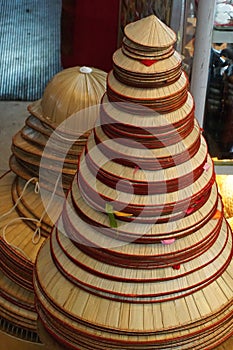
(36,190)
(37,233)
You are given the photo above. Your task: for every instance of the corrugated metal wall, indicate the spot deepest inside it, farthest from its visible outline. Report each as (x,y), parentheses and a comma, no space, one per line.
(29,47)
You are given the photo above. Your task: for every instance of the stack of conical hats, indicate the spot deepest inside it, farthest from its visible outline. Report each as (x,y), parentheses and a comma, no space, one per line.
(69,92)
(147,60)
(122,290)
(155,48)
(18,254)
(142,256)
(52,139)
(47,139)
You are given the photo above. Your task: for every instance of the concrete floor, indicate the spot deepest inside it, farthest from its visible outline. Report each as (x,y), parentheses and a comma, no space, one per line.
(12,118)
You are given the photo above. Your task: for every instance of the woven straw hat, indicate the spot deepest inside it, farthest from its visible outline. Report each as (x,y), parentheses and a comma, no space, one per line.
(69,91)
(73,90)
(151,32)
(142,255)
(17,306)
(17,242)
(17,261)
(162,99)
(141,42)
(119,113)
(163,67)
(105,289)
(24,223)
(144,54)
(134,72)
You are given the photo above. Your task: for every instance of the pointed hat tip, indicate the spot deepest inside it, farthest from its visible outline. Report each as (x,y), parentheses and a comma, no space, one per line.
(150,31)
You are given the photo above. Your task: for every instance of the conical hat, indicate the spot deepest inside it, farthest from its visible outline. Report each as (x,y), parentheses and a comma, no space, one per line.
(115,113)
(133,72)
(150,31)
(140,52)
(69,91)
(17,306)
(142,242)
(74,315)
(160,67)
(162,99)
(131,229)
(17,247)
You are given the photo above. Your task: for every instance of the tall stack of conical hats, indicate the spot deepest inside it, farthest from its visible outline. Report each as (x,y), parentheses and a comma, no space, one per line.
(24,223)
(142,256)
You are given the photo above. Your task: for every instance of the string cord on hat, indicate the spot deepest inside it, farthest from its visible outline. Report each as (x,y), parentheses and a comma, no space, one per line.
(36,190)
(37,233)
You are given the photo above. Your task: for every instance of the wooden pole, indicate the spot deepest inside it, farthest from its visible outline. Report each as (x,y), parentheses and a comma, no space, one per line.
(203,43)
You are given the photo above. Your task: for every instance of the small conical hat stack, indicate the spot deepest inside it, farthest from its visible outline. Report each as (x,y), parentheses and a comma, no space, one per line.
(153,45)
(142,255)
(148,40)
(147,70)
(47,140)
